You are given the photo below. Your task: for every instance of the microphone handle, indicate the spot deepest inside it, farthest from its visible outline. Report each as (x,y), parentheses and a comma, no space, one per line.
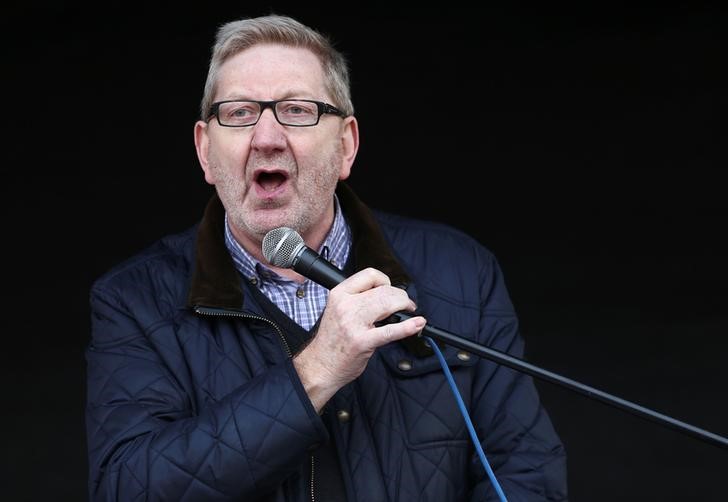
(312,265)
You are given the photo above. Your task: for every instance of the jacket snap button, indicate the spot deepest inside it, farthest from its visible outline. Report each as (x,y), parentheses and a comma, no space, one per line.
(463,356)
(343,416)
(404,365)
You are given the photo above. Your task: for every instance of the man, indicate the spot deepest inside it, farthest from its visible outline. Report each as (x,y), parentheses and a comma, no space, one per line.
(213,375)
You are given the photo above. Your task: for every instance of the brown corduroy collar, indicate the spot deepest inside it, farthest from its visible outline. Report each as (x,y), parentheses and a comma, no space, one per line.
(216,283)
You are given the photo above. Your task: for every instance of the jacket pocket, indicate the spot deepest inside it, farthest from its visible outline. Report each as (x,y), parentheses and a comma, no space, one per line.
(427,407)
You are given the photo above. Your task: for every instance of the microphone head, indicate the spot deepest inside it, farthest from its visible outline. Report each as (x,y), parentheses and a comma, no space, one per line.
(281,246)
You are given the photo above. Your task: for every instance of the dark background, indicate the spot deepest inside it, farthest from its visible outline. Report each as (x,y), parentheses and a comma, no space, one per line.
(580,146)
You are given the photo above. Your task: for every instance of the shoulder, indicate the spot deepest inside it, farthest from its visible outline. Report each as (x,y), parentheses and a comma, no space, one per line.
(447,263)
(160,271)
(425,240)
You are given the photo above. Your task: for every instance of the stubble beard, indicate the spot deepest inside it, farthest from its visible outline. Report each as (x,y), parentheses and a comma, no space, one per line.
(313,186)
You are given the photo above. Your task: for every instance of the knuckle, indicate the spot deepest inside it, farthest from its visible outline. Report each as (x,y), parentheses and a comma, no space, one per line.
(377,276)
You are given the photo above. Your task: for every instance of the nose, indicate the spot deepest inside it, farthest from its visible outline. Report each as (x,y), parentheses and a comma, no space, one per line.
(268,134)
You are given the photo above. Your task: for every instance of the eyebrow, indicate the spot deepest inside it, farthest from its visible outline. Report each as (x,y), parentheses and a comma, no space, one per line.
(287,95)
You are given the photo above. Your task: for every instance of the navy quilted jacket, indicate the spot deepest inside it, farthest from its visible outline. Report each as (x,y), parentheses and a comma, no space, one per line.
(192,394)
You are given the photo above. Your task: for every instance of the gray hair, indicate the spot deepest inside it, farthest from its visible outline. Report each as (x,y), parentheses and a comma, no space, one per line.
(236,36)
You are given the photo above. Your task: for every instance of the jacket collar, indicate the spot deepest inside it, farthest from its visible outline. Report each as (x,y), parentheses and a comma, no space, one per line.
(216,283)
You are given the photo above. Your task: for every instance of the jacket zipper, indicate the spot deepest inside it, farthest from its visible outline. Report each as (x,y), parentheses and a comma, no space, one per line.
(313,496)
(218,312)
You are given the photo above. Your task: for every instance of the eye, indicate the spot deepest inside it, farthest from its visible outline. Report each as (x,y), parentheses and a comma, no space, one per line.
(238,113)
(297,108)
(241,110)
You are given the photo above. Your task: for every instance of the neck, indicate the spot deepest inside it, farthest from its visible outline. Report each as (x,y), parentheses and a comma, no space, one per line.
(313,238)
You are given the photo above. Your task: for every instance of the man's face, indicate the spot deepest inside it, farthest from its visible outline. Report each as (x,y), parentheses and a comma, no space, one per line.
(269,175)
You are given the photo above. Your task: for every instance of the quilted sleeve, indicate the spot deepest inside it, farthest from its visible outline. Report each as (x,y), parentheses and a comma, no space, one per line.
(146,440)
(520,443)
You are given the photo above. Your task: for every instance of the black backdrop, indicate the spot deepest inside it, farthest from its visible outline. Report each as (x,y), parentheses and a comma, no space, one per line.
(580,146)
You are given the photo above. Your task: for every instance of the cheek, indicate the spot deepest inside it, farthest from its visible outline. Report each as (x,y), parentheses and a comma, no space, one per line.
(212,172)
(227,159)
(325,155)
(233,151)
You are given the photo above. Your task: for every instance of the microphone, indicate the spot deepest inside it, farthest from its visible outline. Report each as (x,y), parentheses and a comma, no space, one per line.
(284,247)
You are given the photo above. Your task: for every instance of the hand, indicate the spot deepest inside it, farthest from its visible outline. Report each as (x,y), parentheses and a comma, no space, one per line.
(347,335)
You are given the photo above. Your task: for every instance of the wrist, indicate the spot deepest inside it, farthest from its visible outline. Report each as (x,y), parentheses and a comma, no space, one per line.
(315,379)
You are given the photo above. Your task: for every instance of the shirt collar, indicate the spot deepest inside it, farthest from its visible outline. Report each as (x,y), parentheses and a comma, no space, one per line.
(335,248)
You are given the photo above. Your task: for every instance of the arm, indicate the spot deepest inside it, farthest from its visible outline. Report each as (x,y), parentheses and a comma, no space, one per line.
(146,438)
(518,439)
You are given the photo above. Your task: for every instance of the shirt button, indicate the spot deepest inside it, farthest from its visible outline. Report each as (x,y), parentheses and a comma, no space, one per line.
(463,356)
(404,365)
(253,280)
(300,293)
(343,416)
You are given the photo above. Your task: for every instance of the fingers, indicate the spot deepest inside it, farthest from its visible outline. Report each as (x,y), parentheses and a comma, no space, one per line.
(364,280)
(369,296)
(349,332)
(378,300)
(384,301)
(398,330)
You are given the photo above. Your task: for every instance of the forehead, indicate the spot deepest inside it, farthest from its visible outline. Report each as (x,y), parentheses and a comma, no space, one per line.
(271,72)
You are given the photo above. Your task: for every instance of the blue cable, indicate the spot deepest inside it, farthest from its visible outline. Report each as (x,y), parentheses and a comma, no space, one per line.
(468,421)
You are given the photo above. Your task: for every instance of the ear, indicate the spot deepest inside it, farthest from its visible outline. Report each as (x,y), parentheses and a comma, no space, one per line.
(202,145)
(349,146)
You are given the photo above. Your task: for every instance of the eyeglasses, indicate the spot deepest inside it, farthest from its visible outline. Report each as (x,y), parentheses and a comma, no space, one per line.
(288,112)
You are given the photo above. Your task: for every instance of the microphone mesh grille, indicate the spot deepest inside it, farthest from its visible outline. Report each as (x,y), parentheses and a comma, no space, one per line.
(280,246)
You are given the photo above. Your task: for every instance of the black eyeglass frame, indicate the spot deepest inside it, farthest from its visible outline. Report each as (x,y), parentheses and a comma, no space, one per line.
(323,108)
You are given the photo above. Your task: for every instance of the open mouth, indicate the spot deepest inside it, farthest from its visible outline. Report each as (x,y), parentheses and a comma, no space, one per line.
(270,181)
